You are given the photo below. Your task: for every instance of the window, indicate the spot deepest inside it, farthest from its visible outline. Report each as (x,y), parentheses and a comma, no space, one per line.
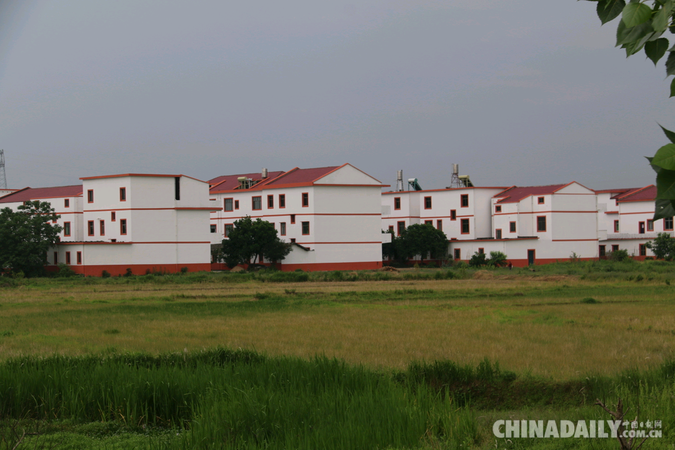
(498,208)
(79,257)
(481,251)
(668,224)
(650,225)
(227,204)
(305,228)
(465,226)
(90,196)
(66,203)
(616,226)
(123,194)
(427,202)
(397,202)
(429,222)
(90,228)
(400,228)
(68,258)
(56,258)
(305,199)
(458,254)
(256,203)
(236,204)
(641,228)
(270,201)
(615,248)
(176,187)
(101,226)
(391,229)
(228,229)
(643,250)
(512,227)
(66,228)
(498,233)
(112,216)
(453,214)
(123,226)
(541,223)
(540,200)
(292,240)
(601,251)
(439,224)
(282,200)
(292,218)
(465,200)
(214,228)
(282,228)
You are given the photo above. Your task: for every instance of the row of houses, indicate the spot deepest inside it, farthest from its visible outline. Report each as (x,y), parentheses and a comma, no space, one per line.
(335,218)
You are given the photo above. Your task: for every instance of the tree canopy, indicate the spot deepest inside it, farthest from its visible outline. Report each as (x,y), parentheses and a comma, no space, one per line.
(663,246)
(418,240)
(251,240)
(26,235)
(641,27)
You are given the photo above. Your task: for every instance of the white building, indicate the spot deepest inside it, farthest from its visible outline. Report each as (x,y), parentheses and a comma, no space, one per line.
(331,214)
(625,221)
(145,223)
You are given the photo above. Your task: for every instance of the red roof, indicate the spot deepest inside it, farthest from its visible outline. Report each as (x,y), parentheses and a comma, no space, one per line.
(231,182)
(301,176)
(515,194)
(27,194)
(644,194)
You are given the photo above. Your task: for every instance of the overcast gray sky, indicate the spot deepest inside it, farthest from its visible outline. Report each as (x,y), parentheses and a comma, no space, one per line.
(516,92)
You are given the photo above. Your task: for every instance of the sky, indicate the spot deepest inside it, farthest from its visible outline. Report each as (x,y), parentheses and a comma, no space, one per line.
(524,92)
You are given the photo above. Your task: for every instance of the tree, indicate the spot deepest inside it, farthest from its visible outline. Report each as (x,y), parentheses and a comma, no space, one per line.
(26,235)
(251,240)
(663,246)
(422,240)
(642,25)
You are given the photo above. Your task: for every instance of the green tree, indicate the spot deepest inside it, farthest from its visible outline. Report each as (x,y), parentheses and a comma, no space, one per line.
(478,259)
(26,235)
(642,25)
(497,259)
(251,240)
(663,246)
(422,240)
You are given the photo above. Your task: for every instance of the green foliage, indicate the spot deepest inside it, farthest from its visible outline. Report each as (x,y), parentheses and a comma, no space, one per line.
(250,240)
(496,259)
(642,26)
(26,236)
(663,246)
(65,271)
(478,259)
(619,255)
(418,240)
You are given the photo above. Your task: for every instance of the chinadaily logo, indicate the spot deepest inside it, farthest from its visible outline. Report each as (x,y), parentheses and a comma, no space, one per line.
(589,429)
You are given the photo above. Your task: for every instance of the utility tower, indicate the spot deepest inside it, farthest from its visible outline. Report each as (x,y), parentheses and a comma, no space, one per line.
(3,175)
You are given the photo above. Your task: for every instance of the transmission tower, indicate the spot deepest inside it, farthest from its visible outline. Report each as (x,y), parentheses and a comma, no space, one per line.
(3,175)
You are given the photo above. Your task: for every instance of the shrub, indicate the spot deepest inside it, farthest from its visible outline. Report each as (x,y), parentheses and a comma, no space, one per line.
(65,271)
(183,270)
(478,259)
(618,255)
(105,274)
(497,259)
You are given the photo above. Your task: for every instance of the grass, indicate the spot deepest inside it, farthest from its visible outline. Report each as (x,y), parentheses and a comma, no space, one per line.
(423,358)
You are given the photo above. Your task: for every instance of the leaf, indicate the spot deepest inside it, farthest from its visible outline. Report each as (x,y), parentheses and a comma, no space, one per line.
(663,208)
(656,49)
(669,134)
(665,157)
(628,36)
(609,10)
(635,14)
(672,88)
(657,169)
(665,185)
(670,64)
(662,18)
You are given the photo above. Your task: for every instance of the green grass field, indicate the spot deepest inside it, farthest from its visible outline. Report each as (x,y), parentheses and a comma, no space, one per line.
(426,358)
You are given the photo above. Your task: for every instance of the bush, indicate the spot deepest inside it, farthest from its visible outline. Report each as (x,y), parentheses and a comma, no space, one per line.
(497,259)
(105,274)
(478,259)
(65,271)
(618,255)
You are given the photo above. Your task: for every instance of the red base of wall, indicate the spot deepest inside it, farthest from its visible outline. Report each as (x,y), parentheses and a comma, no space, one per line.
(370,265)
(136,269)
